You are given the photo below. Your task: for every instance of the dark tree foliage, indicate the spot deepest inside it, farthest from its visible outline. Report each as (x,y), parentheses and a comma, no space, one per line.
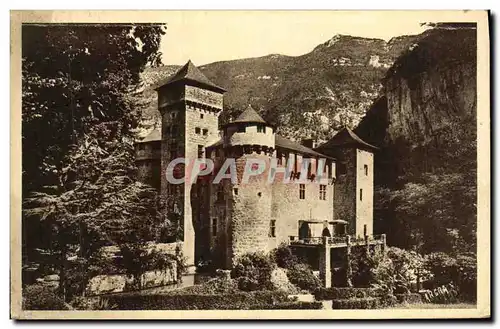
(75,77)
(80,112)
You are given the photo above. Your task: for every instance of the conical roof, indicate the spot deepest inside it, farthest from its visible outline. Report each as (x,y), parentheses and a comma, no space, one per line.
(190,73)
(249,115)
(345,138)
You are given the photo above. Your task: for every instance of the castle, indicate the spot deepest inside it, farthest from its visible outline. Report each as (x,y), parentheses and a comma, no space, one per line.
(222,221)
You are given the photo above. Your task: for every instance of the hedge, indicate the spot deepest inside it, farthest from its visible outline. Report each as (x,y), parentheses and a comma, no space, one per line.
(356,303)
(412,298)
(344,293)
(289,306)
(242,301)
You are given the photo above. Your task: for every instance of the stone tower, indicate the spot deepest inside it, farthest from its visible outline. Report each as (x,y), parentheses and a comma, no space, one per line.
(251,142)
(190,105)
(354,181)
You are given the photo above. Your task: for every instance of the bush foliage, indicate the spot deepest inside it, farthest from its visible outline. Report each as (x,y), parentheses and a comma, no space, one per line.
(235,301)
(356,303)
(300,274)
(344,293)
(39,297)
(253,272)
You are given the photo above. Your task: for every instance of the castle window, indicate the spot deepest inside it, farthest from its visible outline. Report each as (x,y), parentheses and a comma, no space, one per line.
(261,129)
(302,191)
(173,115)
(360,194)
(272,229)
(235,190)
(214,226)
(197,130)
(322,192)
(241,129)
(201,115)
(366,170)
(200,151)
(205,132)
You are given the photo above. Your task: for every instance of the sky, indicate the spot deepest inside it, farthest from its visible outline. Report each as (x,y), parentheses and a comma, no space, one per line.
(210,36)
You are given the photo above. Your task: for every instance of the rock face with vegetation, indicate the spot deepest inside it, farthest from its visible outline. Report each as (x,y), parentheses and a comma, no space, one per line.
(312,95)
(425,124)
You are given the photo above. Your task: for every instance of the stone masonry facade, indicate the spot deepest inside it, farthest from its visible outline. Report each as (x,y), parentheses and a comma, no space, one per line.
(224,220)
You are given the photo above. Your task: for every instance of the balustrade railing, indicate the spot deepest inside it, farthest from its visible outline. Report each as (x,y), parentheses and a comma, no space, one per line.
(336,240)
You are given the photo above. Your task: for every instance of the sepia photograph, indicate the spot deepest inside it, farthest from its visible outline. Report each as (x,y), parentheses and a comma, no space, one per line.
(250,164)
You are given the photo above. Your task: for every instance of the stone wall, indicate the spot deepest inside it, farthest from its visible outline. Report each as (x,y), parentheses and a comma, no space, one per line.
(197,121)
(111,283)
(250,137)
(345,188)
(364,207)
(148,162)
(196,116)
(105,284)
(251,210)
(288,209)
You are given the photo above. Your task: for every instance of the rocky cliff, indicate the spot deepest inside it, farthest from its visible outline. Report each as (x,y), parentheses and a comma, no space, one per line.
(425,125)
(428,101)
(431,85)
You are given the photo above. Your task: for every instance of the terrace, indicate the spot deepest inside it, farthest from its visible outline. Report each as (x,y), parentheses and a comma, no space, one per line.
(337,241)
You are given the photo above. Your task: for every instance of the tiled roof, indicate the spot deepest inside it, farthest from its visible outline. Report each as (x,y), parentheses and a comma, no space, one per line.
(346,137)
(190,73)
(155,135)
(282,142)
(249,115)
(294,146)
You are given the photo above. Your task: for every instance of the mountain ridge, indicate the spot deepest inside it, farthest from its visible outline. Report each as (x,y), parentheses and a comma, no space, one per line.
(307,96)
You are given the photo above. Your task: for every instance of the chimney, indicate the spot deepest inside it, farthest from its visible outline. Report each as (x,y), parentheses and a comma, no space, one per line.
(309,142)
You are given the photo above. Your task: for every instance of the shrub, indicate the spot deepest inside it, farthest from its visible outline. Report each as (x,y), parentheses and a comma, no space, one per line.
(446,294)
(39,297)
(356,303)
(467,277)
(443,268)
(398,271)
(302,276)
(461,272)
(242,300)
(412,298)
(253,272)
(344,293)
(213,286)
(92,303)
(284,257)
(289,306)
(362,267)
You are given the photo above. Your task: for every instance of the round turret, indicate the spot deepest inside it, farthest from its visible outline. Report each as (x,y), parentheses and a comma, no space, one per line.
(250,130)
